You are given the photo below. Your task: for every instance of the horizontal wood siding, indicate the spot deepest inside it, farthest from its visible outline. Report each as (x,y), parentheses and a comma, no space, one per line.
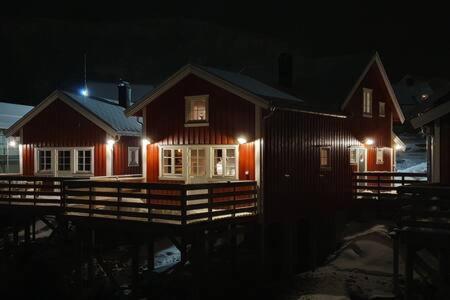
(294,184)
(58,125)
(120,156)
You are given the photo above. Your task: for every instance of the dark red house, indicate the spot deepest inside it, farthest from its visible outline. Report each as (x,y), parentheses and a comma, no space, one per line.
(203,124)
(73,135)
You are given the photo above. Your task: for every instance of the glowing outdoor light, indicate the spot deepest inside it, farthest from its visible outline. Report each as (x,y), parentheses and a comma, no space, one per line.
(369,141)
(241,140)
(110,143)
(12,143)
(145,141)
(84,92)
(398,147)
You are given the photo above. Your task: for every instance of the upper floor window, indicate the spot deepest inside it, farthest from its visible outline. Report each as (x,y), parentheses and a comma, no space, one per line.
(325,157)
(133,156)
(197,110)
(367,102)
(382,109)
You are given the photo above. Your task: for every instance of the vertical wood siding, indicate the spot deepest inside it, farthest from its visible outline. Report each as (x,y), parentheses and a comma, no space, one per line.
(229,117)
(120,156)
(376,127)
(294,184)
(59,125)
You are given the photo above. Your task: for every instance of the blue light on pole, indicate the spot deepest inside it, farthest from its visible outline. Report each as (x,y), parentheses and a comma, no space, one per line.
(84,92)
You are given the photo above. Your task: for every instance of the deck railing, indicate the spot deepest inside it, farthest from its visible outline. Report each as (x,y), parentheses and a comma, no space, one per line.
(167,203)
(382,185)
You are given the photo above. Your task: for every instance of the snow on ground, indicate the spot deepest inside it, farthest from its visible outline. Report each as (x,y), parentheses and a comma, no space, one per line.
(361,268)
(419,168)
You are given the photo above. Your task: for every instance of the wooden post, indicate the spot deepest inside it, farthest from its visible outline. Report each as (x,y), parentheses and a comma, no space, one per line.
(91,249)
(396,262)
(183,206)
(27,233)
(33,228)
(409,271)
(151,253)
(135,266)
(233,246)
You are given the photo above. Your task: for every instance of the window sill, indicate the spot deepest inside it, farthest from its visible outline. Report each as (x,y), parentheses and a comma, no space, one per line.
(366,115)
(196,124)
(133,166)
(174,178)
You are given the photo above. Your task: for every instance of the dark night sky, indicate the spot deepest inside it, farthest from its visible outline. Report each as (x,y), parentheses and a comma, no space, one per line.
(44,50)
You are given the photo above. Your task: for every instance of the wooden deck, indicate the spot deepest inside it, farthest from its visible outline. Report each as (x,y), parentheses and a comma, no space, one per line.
(382,185)
(156,203)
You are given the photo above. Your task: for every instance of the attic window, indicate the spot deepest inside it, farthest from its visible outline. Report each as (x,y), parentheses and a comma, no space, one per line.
(382,109)
(367,102)
(197,110)
(325,157)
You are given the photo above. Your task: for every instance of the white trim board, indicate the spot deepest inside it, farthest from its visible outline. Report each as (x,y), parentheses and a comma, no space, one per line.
(376,59)
(184,72)
(431,115)
(64,98)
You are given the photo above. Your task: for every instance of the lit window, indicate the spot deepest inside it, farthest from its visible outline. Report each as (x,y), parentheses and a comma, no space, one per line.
(44,160)
(325,157)
(64,161)
(380,159)
(367,102)
(225,162)
(84,161)
(133,156)
(197,166)
(382,109)
(353,156)
(197,109)
(172,162)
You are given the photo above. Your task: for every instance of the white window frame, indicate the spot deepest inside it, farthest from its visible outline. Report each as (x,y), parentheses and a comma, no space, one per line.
(209,160)
(355,160)
(382,109)
(328,165)
(130,150)
(77,171)
(379,156)
(367,102)
(196,123)
(54,161)
(172,176)
(36,161)
(236,156)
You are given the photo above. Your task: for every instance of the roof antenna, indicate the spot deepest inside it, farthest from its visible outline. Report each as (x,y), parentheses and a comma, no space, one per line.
(85,91)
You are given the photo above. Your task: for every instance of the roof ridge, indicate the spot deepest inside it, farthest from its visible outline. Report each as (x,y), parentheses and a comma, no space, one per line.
(100,99)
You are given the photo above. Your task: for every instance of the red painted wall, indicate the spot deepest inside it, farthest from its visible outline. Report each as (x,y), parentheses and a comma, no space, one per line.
(376,127)
(229,117)
(120,156)
(294,185)
(58,125)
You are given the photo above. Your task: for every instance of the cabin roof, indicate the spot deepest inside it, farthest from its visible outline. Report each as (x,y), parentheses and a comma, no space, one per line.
(252,85)
(244,86)
(11,112)
(109,111)
(439,109)
(103,112)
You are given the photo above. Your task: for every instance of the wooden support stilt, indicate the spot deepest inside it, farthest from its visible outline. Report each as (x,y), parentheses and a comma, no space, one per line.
(233,246)
(183,249)
(134,267)
(15,234)
(409,271)
(396,261)
(27,233)
(33,228)
(151,253)
(91,247)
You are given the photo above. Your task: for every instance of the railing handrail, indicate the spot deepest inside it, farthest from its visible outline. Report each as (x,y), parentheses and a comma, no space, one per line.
(382,173)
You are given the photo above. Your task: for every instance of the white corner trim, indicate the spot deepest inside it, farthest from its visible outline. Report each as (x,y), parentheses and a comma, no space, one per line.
(376,59)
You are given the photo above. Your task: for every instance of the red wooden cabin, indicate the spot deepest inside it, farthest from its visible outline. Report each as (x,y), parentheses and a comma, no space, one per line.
(73,135)
(203,124)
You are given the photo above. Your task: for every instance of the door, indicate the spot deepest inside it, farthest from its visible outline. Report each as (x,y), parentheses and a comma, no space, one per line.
(64,162)
(198,164)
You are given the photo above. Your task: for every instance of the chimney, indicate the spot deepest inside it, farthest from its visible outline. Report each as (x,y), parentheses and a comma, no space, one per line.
(285,70)
(124,93)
